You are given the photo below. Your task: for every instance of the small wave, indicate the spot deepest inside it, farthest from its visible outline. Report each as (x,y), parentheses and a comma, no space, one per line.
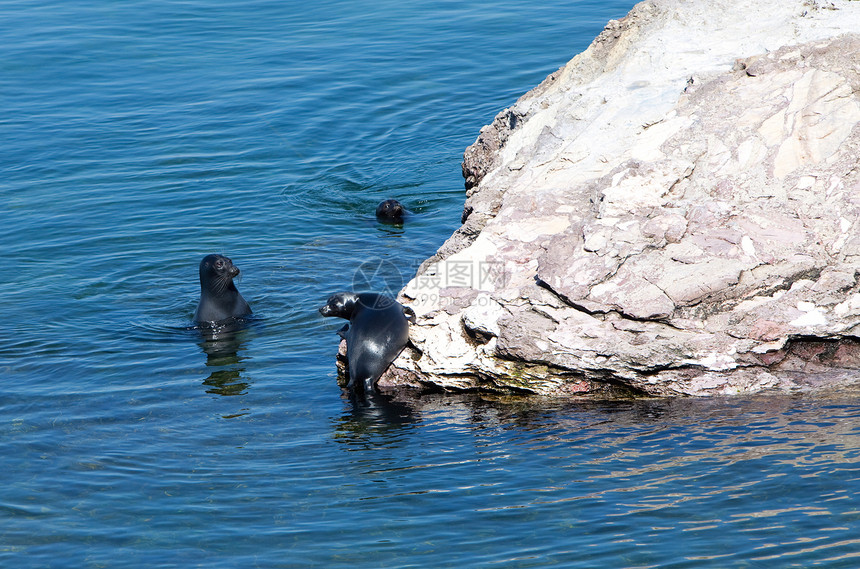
(162,329)
(347,197)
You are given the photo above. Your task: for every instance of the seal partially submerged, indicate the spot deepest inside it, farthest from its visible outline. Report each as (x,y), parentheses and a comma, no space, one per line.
(390,211)
(377,332)
(219,297)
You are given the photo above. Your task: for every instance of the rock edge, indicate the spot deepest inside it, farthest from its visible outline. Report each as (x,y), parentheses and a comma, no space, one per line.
(674,212)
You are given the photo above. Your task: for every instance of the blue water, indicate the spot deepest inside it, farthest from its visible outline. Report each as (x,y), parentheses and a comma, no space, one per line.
(139,136)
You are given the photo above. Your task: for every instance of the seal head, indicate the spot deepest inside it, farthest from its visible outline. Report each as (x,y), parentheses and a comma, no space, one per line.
(219,297)
(377,332)
(390,211)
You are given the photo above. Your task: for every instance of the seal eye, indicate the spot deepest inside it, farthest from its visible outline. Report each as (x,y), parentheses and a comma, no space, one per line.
(219,264)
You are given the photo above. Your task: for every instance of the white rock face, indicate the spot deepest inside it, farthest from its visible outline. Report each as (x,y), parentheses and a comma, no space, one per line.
(675,211)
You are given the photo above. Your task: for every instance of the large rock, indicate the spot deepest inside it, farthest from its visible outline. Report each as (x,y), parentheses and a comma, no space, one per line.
(675,211)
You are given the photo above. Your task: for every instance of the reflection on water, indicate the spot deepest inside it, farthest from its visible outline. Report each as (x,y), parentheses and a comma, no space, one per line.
(226,382)
(372,414)
(222,345)
(762,482)
(141,139)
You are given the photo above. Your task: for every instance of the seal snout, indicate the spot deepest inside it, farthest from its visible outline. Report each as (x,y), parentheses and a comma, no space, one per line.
(336,305)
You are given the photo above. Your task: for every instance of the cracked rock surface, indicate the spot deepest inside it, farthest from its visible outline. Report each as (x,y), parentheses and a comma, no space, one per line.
(674,212)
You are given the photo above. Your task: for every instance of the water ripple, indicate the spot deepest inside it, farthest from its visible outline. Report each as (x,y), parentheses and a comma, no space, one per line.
(140,136)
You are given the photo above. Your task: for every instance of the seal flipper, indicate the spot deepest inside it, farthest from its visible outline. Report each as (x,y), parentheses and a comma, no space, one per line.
(342,332)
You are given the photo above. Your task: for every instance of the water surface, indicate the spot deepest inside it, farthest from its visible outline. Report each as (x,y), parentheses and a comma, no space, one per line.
(140,136)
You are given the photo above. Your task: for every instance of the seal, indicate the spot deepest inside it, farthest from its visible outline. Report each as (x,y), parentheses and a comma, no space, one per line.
(219,297)
(390,211)
(377,332)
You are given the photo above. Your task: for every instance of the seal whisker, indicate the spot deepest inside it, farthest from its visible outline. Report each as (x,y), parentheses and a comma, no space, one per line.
(221,284)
